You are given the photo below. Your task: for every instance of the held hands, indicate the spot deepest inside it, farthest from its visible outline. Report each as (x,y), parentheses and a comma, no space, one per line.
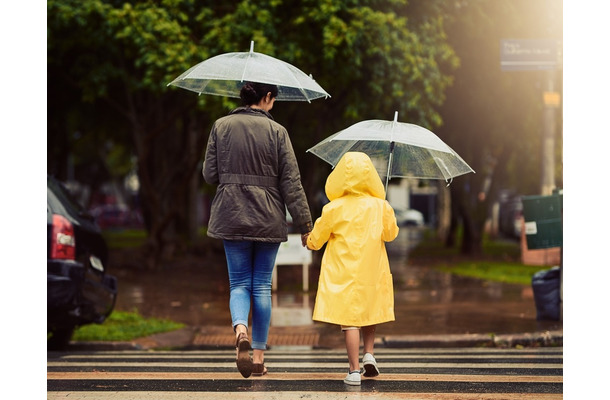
(304,237)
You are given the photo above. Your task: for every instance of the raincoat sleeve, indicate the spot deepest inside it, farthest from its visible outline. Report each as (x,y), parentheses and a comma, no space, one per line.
(210,165)
(321,231)
(390,228)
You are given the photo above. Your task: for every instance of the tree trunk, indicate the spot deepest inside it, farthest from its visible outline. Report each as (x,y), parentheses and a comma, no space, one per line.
(471,214)
(454,220)
(444,211)
(169,153)
(472,239)
(473,209)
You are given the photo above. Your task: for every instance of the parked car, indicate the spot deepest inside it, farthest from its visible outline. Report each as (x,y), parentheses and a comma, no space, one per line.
(79,290)
(409,217)
(109,216)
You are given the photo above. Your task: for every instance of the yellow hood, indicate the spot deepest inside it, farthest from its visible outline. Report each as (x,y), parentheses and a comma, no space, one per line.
(354,174)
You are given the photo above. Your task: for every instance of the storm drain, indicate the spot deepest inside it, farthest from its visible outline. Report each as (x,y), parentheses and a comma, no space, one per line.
(280,336)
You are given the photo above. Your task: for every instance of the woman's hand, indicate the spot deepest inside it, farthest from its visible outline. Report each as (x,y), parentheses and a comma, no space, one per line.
(304,237)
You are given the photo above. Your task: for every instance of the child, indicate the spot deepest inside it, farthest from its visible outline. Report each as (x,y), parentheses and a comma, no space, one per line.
(355,289)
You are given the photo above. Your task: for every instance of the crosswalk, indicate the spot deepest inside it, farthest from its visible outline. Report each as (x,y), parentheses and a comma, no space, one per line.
(294,373)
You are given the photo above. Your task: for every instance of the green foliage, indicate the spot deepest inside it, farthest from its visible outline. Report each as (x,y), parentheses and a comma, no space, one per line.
(123,326)
(138,44)
(367,54)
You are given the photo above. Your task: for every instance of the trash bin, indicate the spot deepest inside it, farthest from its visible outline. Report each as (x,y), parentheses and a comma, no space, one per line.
(546,286)
(543,221)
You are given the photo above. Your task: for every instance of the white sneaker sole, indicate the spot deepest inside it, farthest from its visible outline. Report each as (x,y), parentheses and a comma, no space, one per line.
(352,382)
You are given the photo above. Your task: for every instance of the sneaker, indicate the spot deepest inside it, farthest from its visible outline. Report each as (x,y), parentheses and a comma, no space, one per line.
(370,366)
(352,378)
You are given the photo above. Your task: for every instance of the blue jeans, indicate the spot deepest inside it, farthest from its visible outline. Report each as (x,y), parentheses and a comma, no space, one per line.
(250,267)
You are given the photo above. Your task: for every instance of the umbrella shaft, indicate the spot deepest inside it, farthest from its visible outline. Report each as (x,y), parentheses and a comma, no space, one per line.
(387,176)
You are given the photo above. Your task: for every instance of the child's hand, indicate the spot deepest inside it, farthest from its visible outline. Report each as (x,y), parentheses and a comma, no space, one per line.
(304,237)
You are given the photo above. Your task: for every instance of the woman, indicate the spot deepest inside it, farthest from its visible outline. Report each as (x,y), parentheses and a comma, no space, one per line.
(250,157)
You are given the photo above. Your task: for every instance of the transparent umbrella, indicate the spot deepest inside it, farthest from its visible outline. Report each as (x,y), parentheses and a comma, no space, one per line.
(225,74)
(397,149)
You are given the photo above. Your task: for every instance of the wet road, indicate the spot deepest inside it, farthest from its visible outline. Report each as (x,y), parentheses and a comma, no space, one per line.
(426,301)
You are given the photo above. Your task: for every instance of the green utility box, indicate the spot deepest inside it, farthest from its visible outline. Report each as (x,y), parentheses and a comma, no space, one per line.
(543,220)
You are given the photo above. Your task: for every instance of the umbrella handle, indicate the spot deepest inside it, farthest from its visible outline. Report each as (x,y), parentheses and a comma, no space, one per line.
(446,169)
(387,176)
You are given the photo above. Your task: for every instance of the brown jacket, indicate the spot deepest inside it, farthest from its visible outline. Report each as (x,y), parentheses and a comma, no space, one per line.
(250,157)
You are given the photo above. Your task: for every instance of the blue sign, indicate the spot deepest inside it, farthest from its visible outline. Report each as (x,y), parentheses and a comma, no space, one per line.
(528,54)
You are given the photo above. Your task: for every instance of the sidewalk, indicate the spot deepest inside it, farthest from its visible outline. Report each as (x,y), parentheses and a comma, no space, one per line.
(190,338)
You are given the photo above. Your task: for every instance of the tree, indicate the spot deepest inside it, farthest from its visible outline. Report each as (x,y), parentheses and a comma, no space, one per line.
(117,58)
(113,59)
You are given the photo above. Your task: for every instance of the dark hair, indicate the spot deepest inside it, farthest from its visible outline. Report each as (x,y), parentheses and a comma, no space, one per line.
(253,92)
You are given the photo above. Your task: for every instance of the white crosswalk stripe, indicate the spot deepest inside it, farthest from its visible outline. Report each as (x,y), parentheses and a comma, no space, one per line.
(463,373)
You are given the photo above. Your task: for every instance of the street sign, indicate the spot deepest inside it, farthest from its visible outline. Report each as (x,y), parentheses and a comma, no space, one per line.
(528,54)
(551,99)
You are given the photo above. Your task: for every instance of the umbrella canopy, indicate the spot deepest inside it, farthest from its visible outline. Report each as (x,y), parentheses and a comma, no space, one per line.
(225,74)
(397,149)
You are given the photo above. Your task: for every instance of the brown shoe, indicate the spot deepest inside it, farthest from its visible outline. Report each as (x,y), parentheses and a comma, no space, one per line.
(244,362)
(259,370)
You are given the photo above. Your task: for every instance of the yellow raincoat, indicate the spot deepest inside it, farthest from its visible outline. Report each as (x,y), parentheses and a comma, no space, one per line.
(355,286)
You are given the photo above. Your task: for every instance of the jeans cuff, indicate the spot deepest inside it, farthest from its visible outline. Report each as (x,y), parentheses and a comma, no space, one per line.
(240,322)
(259,345)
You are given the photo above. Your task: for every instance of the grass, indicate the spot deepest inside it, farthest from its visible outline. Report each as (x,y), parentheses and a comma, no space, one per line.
(124,326)
(124,238)
(499,261)
(495,271)
(129,238)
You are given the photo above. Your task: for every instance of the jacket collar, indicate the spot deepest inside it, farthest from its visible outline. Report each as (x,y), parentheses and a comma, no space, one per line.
(250,110)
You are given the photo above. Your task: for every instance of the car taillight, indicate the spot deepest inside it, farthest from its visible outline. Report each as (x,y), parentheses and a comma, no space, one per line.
(62,239)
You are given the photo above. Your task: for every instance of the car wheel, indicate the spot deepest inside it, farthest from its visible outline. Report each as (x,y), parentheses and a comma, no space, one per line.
(60,338)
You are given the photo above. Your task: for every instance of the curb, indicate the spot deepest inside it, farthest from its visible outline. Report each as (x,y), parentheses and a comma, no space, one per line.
(183,339)
(541,339)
